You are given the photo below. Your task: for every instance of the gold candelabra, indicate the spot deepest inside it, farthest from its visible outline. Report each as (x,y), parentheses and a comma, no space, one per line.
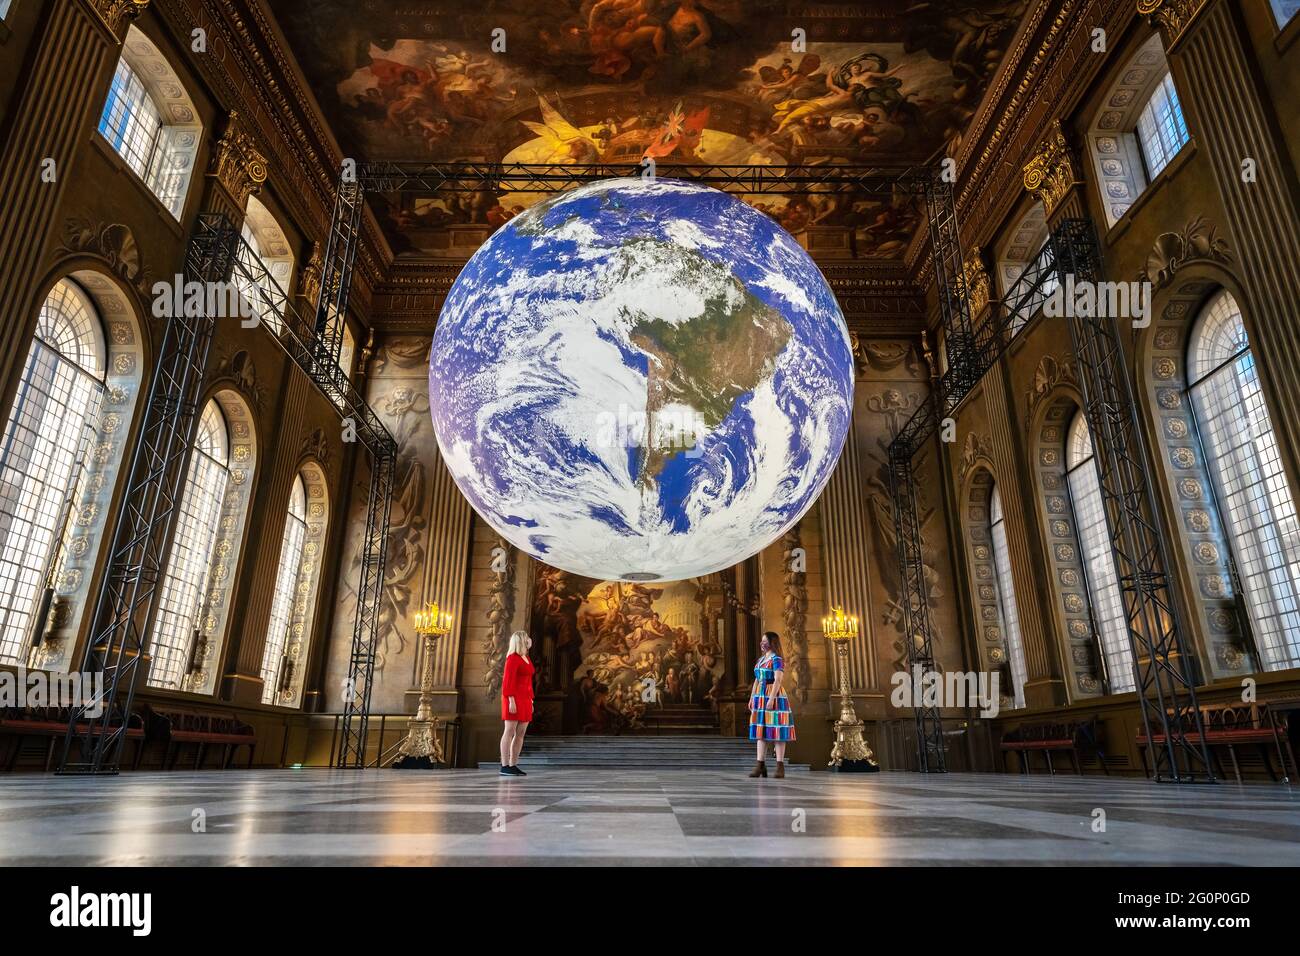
(850,751)
(421,748)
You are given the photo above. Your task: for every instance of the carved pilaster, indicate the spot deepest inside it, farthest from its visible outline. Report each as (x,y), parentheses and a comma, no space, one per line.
(978,286)
(1053,172)
(237,165)
(1171,17)
(500,615)
(794,600)
(309,280)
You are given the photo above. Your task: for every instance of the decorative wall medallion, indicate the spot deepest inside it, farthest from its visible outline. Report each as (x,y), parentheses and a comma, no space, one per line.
(1206,552)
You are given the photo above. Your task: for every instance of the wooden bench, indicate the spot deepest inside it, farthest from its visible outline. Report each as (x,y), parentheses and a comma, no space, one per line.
(1068,736)
(178,727)
(51,723)
(1231,726)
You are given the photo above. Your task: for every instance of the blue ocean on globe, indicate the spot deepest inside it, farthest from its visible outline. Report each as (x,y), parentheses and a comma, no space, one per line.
(641,380)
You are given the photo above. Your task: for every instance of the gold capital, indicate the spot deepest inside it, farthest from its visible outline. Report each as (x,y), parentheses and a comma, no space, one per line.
(236,162)
(1052,172)
(1171,16)
(114,12)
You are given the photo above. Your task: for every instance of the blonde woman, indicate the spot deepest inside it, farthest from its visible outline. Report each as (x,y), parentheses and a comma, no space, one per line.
(516,702)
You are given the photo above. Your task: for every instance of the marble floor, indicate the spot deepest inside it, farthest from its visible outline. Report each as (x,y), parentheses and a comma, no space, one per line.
(680,817)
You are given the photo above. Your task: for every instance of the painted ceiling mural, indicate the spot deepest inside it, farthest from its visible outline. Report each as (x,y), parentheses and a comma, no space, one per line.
(682,81)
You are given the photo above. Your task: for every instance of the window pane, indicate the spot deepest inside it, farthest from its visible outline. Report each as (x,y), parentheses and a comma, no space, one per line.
(1007,600)
(286,586)
(1099,563)
(1259,513)
(1283,11)
(46,436)
(130,121)
(186,581)
(1161,128)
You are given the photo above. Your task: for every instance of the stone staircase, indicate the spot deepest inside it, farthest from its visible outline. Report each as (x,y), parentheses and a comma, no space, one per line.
(672,752)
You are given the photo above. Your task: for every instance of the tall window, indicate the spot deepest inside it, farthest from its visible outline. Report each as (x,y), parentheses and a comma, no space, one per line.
(158,150)
(182,607)
(1258,510)
(1106,601)
(274,667)
(1007,599)
(1161,129)
(46,438)
(4,8)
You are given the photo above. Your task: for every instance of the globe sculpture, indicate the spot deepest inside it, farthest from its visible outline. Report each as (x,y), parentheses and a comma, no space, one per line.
(641,380)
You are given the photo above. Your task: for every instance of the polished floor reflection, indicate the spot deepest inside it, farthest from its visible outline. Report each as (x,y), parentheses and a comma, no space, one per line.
(672,817)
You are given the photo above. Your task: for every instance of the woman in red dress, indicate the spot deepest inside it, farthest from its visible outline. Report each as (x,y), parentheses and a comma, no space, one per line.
(516,702)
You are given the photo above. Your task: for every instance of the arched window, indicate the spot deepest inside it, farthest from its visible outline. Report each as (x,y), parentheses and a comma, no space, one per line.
(1021,277)
(150,121)
(4,9)
(1254,497)
(275,664)
(182,606)
(1285,10)
(1106,600)
(296,583)
(50,428)
(269,260)
(1007,599)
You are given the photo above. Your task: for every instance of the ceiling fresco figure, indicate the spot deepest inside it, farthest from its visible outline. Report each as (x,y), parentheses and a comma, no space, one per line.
(677,81)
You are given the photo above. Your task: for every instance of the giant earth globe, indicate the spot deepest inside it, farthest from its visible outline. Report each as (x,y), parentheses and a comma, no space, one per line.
(641,379)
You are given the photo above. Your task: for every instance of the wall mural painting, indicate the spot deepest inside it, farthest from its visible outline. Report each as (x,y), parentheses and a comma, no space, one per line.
(680,81)
(623,655)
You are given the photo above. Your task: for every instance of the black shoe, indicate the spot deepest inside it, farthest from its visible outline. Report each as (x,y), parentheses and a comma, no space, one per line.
(505,771)
(517,772)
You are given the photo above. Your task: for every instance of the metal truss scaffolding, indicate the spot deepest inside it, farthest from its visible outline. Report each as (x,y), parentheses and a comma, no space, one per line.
(216,254)
(1167,689)
(1166,683)
(127,592)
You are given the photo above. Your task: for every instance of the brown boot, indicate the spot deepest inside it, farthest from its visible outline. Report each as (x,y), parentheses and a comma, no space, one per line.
(780,770)
(760,769)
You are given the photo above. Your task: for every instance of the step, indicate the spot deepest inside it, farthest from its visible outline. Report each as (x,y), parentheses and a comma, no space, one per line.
(672,752)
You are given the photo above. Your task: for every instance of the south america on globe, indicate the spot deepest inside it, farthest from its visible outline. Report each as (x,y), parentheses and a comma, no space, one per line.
(641,379)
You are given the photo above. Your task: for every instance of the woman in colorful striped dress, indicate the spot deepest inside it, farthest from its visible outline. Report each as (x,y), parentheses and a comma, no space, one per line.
(769,709)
